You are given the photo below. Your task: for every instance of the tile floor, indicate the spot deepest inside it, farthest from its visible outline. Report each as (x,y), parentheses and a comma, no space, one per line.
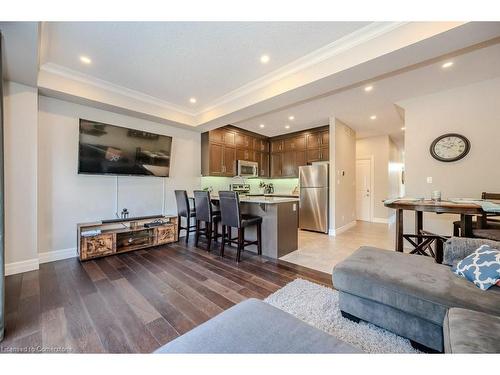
(321,252)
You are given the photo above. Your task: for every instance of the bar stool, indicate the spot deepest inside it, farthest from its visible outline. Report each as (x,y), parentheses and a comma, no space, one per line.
(204,213)
(232,218)
(183,210)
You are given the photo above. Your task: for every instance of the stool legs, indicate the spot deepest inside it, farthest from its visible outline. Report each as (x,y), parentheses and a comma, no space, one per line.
(197,233)
(208,227)
(241,236)
(223,241)
(259,239)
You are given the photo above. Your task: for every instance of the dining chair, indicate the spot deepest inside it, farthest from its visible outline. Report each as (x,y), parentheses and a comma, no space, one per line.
(184,211)
(205,214)
(485,226)
(231,217)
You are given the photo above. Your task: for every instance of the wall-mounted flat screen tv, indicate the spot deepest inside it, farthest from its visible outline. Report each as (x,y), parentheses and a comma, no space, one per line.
(109,149)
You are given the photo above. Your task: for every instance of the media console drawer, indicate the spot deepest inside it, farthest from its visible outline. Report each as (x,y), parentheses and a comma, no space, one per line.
(96,246)
(165,234)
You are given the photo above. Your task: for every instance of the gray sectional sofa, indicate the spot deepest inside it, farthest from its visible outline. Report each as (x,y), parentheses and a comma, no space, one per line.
(253,326)
(416,298)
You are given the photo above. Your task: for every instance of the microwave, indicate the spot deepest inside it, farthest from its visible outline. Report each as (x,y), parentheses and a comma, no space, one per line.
(248,169)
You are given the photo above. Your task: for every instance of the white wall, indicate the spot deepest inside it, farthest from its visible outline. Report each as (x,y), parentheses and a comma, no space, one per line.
(386,169)
(342,175)
(66,198)
(473,111)
(20,140)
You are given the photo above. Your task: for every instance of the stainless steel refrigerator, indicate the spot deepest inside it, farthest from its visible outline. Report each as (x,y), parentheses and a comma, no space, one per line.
(313,207)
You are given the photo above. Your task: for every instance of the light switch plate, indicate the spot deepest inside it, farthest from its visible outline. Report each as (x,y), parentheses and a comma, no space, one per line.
(429,180)
(295,207)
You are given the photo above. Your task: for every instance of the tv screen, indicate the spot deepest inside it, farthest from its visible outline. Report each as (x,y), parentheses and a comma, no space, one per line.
(109,149)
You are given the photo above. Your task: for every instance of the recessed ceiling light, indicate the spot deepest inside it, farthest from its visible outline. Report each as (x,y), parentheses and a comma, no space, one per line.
(291,118)
(262,126)
(447,64)
(403,128)
(287,126)
(85,59)
(192,100)
(264,59)
(373,117)
(368,88)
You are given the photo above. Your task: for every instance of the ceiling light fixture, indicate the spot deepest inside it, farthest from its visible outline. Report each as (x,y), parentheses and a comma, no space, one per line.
(291,118)
(192,100)
(368,88)
(373,117)
(287,126)
(264,59)
(262,126)
(85,59)
(447,64)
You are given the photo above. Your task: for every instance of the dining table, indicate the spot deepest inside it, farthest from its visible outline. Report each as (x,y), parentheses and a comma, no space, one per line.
(466,209)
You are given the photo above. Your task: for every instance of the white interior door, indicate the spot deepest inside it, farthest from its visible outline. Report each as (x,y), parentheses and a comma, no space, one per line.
(363,189)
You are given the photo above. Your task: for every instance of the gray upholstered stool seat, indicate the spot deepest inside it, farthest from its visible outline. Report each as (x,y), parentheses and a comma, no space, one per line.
(247,220)
(467,331)
(254,326)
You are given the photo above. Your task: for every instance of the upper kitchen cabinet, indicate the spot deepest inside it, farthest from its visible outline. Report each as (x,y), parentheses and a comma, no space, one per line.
(297,143)
(244,141)
(222,148)
(222,136)
(290,151)
(277,145)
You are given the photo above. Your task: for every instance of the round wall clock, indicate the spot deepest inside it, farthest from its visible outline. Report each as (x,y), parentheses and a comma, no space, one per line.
(450,147)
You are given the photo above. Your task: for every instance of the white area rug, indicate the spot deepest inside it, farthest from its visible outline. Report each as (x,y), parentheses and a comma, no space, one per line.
(319,306)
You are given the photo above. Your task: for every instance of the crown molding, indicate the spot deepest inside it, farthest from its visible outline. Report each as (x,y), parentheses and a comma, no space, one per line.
(343,44)
(328,51)
(108,86)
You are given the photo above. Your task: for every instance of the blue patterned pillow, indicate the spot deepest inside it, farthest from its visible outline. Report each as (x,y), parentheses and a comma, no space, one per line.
(482,267)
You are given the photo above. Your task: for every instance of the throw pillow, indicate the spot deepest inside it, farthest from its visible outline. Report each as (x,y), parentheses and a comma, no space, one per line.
(482,267)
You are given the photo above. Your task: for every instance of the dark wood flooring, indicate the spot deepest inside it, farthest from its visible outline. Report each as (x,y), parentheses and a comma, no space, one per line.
(135,302)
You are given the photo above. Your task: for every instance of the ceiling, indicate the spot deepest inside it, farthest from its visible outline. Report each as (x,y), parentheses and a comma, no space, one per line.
(355,106)
(20,52)
(174,61)
(150,70)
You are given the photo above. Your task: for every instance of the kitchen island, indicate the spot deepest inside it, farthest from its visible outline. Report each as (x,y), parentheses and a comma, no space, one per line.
(279,225)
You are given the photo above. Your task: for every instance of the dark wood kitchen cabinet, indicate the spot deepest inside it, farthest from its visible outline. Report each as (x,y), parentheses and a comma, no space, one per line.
(263,160)
(222,160)
(222,147)
(278,157)
(276,164)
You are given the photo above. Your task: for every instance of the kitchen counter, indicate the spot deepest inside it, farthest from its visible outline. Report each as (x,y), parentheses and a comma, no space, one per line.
(264,199)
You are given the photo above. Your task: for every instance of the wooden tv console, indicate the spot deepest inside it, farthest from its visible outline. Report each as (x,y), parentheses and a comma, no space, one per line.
(119,236)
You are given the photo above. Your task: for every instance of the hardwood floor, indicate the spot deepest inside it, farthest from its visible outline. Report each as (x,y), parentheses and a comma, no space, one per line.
(134,302)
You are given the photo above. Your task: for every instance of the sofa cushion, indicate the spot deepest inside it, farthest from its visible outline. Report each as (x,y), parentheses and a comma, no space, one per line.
(467,331)
(482,267)
(457,248)
(253,326)
(412,283)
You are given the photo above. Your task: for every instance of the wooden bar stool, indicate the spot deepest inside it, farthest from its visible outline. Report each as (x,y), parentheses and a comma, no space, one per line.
(183,210)
(204,213)
(231,217)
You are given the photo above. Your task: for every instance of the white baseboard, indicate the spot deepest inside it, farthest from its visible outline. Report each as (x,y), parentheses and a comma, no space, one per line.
(52,256)
(20,267)
(33,264)
(380,220)
(337,231)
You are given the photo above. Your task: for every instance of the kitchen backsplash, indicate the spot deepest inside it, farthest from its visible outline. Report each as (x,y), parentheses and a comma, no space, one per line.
(281,185)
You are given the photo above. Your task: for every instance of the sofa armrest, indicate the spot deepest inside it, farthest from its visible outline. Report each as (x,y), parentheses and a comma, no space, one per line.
(457,248)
